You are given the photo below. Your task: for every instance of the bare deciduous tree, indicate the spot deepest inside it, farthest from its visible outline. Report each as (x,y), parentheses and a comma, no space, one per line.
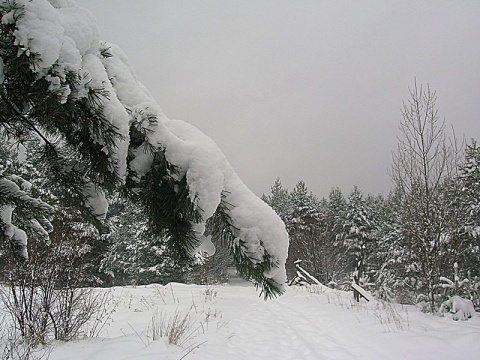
(426,159)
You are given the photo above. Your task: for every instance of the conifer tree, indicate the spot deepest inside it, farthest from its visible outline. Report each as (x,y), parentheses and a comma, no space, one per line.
(338,269)
(470,185)
(102,132)
(135,255)
(303,225)
(337,205)
(358,229)
(468,199)
(279,199)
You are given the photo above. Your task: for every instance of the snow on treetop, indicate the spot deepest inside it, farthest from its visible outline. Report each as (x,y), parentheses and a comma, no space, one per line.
(65,37)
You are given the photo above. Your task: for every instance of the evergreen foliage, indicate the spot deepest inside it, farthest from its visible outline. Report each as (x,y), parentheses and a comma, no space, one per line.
(224,231)
(314,227)
(278,200)
(78,142)
(213,269)
(469,178)
(303,226)
(77,115)
(357,236)
(135,255)
(65,236)
(17,194)
(365,235)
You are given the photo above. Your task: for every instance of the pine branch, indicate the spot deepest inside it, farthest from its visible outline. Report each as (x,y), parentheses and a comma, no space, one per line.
(167,204)
(24,118)
(250,268)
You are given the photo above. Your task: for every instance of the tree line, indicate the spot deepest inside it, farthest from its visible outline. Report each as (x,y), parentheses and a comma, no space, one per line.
(399,245)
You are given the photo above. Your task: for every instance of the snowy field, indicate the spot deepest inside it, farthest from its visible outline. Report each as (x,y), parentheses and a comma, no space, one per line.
(232,322)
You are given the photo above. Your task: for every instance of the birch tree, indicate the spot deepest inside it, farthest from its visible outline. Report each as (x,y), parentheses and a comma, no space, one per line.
(425,160)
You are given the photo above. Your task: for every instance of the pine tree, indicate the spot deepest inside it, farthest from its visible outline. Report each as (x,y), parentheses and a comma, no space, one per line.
(470,185)
(135,255)
(468,199)
(78,242)
(101,132)
(278,199)
(357,237)
(394,272)
(338,272)
(303,226)
(30,215)
(337,206)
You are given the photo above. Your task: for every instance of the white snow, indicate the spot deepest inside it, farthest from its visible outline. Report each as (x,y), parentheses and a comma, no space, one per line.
(24,184)
(362,291)
(96,77)
(232,323)
(66,38)
(206,245)
(20,238)
(462,309)
(11,232)
(10,186)
(38,228)
(15,186)
(96,200)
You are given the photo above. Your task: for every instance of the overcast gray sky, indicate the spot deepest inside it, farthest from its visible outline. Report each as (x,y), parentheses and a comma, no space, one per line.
(302,90)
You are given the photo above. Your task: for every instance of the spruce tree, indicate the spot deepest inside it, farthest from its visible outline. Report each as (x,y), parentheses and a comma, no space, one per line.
(279,199)
(303,225)
(468,199)
(358,229)
(134,254)
(470,185)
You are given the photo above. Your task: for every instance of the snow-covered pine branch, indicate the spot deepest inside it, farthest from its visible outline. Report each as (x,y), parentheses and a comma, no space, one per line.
(61,81)
(13,195)
(449,283)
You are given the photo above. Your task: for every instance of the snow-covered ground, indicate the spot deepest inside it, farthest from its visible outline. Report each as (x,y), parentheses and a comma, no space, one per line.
(232,322)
